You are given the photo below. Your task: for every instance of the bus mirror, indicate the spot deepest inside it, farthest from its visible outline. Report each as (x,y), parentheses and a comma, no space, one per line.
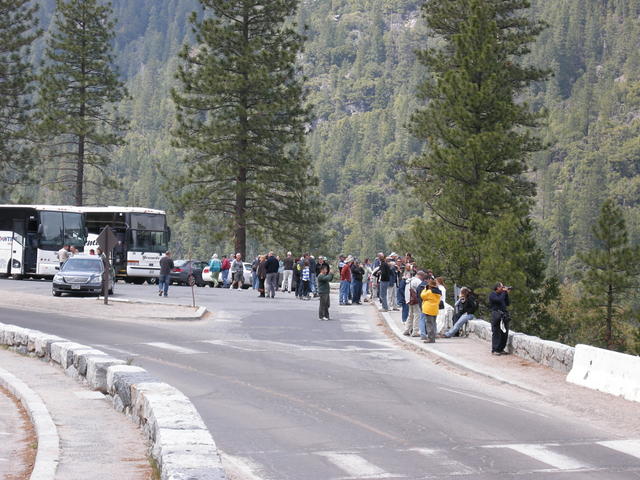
(40,229)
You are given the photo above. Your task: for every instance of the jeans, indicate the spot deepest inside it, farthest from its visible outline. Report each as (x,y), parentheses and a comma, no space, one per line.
(384,286)
(345,287)
(225,278)
(464,318)
(163,283)
(428,326)
(272,284)
(365,289)
(255,281)
(356,291)
(405,311)
(312,282)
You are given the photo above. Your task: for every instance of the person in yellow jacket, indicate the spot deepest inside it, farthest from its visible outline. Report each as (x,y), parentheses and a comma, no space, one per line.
(430,297)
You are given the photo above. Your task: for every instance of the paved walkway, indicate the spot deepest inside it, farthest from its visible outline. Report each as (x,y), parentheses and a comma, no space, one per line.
(96,442)
(474,356)
(16,439)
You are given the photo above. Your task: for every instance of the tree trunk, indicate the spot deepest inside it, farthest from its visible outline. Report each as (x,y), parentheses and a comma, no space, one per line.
(240,228)
(609,327)
(80,172)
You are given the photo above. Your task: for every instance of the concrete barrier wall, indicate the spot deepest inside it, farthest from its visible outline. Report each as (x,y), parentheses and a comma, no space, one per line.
(607,371)
(179,440)
(551,354)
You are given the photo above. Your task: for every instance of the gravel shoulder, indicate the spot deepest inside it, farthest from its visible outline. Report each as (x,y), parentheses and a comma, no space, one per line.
(18,440)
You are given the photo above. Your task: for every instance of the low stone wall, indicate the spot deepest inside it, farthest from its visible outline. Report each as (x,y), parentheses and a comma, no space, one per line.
(179,440)
(551,354)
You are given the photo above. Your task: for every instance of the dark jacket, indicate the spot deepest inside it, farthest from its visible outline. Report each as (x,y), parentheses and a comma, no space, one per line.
(357,273)
(272,265)
(288,263)
(166,264)
(323,283)
(499,301)
(385,272)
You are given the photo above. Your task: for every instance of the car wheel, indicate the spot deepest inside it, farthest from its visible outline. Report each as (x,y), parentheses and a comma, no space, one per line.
(152,280)
(56,293)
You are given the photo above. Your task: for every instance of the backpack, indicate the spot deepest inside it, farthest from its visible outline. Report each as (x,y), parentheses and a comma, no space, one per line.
(413,297)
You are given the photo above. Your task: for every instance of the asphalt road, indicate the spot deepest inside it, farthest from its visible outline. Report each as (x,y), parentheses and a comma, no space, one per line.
(288,397)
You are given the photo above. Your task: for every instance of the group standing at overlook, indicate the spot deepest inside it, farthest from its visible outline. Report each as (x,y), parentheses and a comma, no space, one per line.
(395,282)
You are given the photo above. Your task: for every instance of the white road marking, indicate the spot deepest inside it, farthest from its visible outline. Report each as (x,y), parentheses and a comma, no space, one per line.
(628,447)
(543,454)
(497,402)
(5,433)
(355,466)
(119,350)
(240,467)
(289,347)
(173,348)
(223,343)
(456,467)
(89,395)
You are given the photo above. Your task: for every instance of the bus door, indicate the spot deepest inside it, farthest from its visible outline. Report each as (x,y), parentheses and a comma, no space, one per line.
(17,248)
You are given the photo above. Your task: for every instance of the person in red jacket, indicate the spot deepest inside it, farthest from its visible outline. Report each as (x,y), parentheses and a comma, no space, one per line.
(345,281)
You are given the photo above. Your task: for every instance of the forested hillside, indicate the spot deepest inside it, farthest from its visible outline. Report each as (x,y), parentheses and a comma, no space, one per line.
(362,76)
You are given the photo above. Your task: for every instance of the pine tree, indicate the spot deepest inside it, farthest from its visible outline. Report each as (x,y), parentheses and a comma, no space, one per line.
(611,275)
(18,30)
(79,96)
(242,123)
(471,174)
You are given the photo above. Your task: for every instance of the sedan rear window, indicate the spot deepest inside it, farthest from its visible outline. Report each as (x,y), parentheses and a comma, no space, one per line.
(82,265)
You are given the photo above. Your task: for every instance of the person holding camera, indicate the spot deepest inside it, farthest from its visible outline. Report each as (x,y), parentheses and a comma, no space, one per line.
(498,303)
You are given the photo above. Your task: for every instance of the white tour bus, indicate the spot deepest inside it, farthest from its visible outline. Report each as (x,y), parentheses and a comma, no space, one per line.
(142,235)
(31,235)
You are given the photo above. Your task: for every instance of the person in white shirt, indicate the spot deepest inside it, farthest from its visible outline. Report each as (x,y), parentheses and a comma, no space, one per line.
(413,320)
(445,315)
(63,255)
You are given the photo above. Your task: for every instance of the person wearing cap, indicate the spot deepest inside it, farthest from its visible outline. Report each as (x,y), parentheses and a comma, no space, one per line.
(287,274)
(345,281)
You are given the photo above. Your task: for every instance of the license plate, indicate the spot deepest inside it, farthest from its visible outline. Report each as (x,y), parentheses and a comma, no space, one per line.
(75,287)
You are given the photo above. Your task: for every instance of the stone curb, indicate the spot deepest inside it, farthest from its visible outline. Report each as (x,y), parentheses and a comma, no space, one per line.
(451,359)
(48,455)
(199,313)
(179,441)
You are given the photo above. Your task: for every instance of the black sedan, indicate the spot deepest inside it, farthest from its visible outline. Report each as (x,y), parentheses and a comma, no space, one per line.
(182,269)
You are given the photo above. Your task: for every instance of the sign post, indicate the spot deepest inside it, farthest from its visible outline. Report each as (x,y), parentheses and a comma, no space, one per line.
(107,241)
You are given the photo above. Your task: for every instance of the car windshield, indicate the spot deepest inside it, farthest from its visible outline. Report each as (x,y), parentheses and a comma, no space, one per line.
(82,265)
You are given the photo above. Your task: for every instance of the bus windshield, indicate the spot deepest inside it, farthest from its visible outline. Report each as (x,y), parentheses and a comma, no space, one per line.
(60,229)
(145,241)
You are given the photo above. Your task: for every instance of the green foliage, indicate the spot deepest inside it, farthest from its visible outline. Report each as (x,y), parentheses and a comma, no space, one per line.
(611,276)
(18,24)
(242,121)
(78,98)
(471,174)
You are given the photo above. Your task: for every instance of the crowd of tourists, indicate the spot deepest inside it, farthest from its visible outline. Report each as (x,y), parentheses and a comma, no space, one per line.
(395,281)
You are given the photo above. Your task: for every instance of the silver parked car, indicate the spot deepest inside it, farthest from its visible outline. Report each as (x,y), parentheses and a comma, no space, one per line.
(81,274)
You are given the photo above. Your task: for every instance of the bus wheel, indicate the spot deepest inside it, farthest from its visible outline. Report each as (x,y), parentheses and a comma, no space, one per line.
(137,281)
(18,277)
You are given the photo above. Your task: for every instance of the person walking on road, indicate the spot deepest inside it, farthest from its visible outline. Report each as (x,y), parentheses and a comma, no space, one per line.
(357,275)
(63,255)
(214,267)
(237,272)
(272,267)
(287,274)
(498,303)
(261,272)
(224,268)
(345,281)
(385,275)
(324,291)
(166,264)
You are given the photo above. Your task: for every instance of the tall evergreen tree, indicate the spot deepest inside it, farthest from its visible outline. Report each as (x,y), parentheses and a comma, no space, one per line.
(242,121)
(18,29)
(79,95)
(612,274)
(470,175)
